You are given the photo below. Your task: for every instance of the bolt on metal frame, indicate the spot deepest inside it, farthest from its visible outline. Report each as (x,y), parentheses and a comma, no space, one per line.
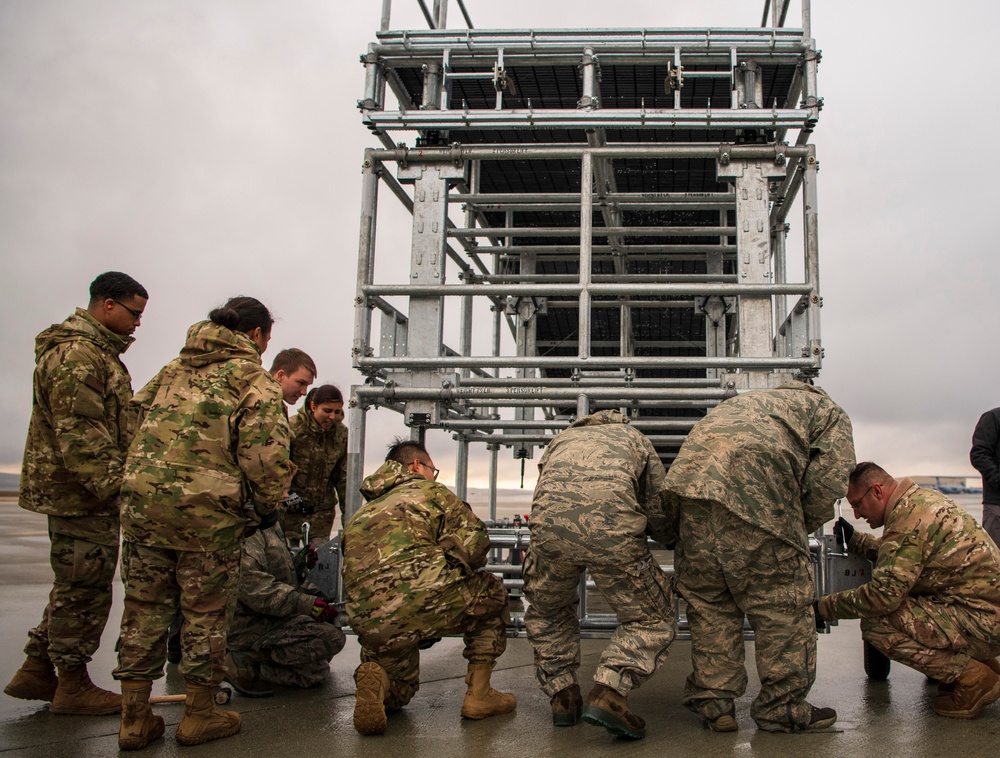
(623,197)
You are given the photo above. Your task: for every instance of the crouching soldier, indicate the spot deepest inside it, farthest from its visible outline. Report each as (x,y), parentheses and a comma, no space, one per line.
(282,632)
(933,601)
(412,556)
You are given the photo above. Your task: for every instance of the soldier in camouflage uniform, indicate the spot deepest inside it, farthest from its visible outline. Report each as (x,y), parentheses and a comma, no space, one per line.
(933,601)
(599,495)
(209,459)
(283,632)
(412,560)
(79,433)
(753,479)
(319,450)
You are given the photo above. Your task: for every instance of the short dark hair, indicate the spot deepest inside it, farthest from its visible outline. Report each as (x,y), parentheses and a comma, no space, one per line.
(405,451)
(115,285)
(325,393)
(243,314)
(867,473)
(291,360)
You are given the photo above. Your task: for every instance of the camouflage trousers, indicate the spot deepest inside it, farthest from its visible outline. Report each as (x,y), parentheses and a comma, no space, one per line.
(158,582)
(935,638)
(296,653)
(635,587)
(83,555)
(728,568)
(320,526)
(475,608)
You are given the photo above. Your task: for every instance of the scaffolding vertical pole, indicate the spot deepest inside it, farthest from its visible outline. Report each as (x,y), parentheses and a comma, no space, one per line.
(714,308)
(356,427)
(440,14)
(778,238)
(425,324)
(753,251)
(386,10)
(810,222)
(494,454)
(586,249)
(366,257)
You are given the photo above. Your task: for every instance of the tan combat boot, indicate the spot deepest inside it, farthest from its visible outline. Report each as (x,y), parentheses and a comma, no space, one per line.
(369,701)
(35,680)
(567,706)
(976,687)
(608,708)
(76,695)
(139,726)
(481,700)
(202,721)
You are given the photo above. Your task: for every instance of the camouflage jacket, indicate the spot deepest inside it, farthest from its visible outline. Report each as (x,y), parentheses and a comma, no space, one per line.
(80,425)
(269,592)
(413,536)
(929,547)
(603,479)
(779,459)
(213,435)
(321,457)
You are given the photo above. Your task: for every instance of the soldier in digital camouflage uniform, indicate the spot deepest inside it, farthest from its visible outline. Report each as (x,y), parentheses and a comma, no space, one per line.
(412,560)
(79,433)
(599,495)
(209,459)
(283,632)
(933,601)
(319,450)
(753,479)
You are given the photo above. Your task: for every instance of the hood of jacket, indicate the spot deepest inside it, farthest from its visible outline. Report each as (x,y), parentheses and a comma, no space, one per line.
(609,416)
(208,342)
(390,474)
(81,325)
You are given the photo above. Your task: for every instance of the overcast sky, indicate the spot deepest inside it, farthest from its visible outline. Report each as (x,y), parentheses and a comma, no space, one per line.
(213,148)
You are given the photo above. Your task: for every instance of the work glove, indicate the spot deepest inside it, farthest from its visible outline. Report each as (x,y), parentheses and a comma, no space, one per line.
(295,503)
(304,560)
(843,531)
(323,611)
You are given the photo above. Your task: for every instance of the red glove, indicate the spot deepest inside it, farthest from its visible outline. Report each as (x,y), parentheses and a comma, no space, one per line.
(311,557)
(323,611)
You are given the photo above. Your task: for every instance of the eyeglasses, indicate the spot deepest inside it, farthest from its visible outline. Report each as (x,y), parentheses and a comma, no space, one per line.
(135,314)
(860,500)
(429,468)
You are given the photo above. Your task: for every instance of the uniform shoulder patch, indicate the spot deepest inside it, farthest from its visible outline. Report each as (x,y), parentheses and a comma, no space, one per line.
(94,383)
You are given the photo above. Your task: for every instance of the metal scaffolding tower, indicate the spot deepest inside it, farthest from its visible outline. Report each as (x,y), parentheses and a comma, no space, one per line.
(608,205)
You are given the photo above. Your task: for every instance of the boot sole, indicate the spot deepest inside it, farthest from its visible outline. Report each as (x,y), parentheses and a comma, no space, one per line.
(138,743)
(724,723)
(369,708)
(479,715)
(567,719)
(990,697)
(600,717)
(369,718)
(189,741)
(30,694)
(107,711)
(821,724)
(247,692)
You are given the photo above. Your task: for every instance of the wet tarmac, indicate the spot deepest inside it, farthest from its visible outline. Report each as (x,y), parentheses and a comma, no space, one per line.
(876,718)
